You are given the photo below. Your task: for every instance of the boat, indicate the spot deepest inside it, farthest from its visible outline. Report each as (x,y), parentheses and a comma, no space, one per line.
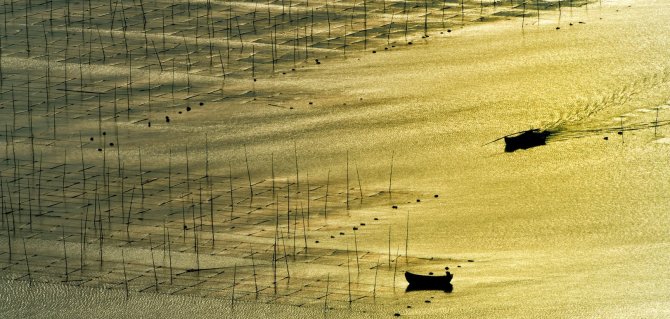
(526,139)
(429,282)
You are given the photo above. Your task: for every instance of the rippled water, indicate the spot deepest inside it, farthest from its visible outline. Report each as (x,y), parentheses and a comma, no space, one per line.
(576,228)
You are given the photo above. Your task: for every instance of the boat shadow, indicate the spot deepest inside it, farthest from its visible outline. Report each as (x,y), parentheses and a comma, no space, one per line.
(447,289)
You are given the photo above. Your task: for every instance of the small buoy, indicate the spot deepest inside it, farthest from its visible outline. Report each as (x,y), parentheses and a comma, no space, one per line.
(409,43)
(430,273)
(104,133)
(91,138)
(418,200)
(355,228)
(374,51)
(470,261)
(620,132)
(201,103)
(149,123)
(397,314)
(341,233)
(606,138)
(188,109)
(316,241)
(99,150)
(558,28)
(311,103)
(362,224)
(376,218)
(427,301)
(448,30)
(111,144)
(436,196)
(331,236)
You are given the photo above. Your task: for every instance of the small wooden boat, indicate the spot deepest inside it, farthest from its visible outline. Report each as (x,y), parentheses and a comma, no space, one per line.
(526,139)
(429,282)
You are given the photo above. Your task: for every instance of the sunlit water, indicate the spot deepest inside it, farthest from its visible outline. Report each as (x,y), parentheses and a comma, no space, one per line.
(577,228)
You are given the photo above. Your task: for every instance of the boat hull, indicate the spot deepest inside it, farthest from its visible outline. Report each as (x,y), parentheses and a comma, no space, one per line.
(526,140)
(428,282)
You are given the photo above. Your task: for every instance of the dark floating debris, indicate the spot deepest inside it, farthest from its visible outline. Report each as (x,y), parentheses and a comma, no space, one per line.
(436,196)
(167,119)
(397,314)
(418,200)
(394,206)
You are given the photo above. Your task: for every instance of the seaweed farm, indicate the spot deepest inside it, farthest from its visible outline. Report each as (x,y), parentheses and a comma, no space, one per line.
(294,158)
(81,80)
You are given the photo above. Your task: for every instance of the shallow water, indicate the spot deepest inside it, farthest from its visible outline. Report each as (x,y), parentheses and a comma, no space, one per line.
(576,228)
